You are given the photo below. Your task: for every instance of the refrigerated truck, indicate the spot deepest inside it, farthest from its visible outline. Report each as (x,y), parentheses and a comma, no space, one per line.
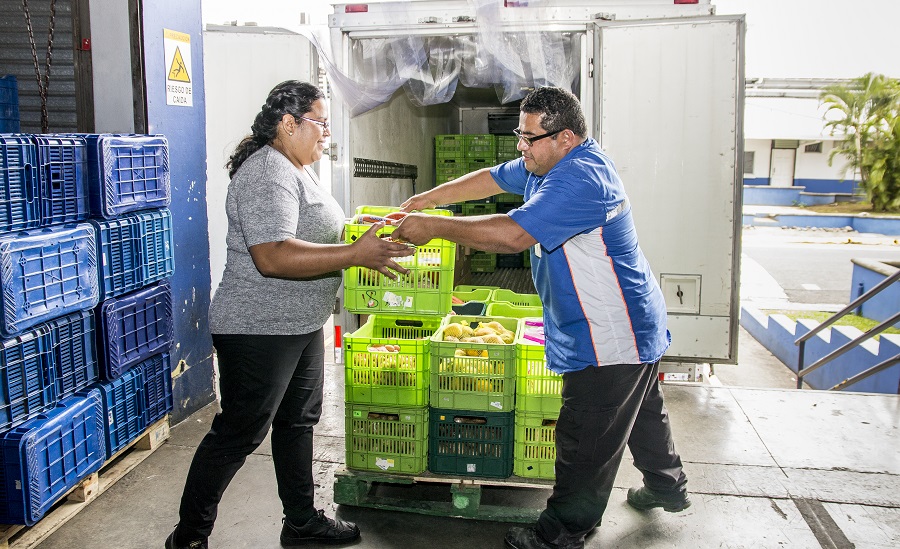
(661,83)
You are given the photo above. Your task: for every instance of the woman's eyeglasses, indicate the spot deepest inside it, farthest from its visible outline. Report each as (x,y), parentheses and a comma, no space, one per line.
(324,125)
(530,139)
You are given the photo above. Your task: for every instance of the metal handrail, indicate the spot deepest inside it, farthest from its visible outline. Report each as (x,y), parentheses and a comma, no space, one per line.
(801,341)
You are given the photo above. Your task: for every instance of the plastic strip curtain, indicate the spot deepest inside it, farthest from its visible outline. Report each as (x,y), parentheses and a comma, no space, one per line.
(429,68)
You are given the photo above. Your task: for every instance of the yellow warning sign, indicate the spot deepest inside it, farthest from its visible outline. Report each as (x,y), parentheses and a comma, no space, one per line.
(178,71)
(177,51)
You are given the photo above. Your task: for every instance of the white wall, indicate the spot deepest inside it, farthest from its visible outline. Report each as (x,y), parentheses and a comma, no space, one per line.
(815,165)
(762,149)
(240,70)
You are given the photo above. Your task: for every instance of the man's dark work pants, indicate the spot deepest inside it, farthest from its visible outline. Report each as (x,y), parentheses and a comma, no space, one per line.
(603,408)
(265,380)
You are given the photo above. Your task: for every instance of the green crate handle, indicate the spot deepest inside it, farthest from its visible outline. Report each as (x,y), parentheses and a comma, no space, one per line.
(390,417)
(548,423)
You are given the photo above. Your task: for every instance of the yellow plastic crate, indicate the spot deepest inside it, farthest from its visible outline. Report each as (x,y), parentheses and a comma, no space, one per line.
(537,388)
(426,289)
(521,300)
(534,453)
(373,375)
(504,308)
(386,439)
(482,378)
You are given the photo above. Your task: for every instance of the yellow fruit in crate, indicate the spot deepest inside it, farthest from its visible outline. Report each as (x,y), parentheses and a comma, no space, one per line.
(484,353)
(484,386)
(507,337)
(493,339)
(495,325)
(460,352)
(451,339)
(484,330)
(467,331)
(453,330)
(473,352)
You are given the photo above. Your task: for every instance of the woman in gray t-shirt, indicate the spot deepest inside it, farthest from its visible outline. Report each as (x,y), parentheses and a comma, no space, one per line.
(282,274)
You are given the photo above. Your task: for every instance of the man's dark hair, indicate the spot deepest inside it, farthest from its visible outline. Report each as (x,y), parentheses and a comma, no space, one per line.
(561,110)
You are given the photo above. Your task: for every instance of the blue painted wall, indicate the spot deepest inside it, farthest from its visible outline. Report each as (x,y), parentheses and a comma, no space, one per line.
(826,185)
(771,196)
(884,305)
(756,181)
(185,128)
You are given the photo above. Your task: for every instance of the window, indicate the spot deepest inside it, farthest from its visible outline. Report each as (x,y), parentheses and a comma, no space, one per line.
(813,147)
(749,156)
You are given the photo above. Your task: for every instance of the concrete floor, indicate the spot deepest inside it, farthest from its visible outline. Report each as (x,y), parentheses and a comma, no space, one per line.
(767,467)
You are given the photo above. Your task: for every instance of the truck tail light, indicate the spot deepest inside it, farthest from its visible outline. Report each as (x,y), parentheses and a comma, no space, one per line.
(687,1)
(363,8)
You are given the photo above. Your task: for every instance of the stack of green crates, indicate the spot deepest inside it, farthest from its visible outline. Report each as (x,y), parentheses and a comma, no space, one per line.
(538,400)
(387,360)
(386,384)
(450,161)
(472,395)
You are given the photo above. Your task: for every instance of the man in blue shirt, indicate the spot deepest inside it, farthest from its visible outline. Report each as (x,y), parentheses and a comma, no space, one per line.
(604,314)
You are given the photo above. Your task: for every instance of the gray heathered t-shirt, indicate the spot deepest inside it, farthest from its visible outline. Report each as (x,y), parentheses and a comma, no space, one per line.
(270,200)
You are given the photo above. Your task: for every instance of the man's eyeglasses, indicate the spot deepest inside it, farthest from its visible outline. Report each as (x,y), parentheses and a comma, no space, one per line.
(324,125)
(530,139)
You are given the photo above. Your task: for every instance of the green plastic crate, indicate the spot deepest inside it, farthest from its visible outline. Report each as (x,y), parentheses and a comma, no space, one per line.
(448,169)
(504,308)
(476,293)
(470,443)
(508,198)
(473,165)
(426,289)
(386,439)
(469,288)
(450,145)
(481,146)
(535,446)
(400,378)
(483,262)
(483,379)
(469,208)
(507,146)
(522,300)
(537,388)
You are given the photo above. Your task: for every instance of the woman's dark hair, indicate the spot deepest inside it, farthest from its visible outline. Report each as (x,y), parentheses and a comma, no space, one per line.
(290,97)
(560,107)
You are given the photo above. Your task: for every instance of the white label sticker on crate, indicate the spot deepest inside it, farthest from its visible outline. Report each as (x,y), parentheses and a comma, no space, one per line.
(470,467)
(498,405)
(392,299)
(384,464)
(409,302)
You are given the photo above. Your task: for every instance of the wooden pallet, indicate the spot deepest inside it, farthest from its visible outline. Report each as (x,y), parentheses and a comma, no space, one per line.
(463,496)
(17,536)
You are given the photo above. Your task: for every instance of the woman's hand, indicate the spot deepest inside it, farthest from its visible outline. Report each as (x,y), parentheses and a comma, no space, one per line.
(377,253)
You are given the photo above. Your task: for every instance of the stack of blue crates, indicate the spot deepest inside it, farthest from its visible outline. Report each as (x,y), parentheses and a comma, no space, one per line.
(9,104)
(86,250)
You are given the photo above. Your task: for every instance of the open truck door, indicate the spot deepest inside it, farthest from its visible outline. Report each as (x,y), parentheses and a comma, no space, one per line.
(668,108)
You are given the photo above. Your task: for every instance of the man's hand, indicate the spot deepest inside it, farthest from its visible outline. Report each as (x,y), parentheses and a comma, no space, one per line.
(416,203)
(415,229)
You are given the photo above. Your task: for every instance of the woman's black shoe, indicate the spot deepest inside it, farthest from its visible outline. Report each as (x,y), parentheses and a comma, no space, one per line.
(319,529)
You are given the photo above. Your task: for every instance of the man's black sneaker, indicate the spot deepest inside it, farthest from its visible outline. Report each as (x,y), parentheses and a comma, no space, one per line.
(319,529)
(644,499)
(197,544)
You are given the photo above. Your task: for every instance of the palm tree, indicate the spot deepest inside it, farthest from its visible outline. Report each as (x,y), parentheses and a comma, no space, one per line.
(864,110)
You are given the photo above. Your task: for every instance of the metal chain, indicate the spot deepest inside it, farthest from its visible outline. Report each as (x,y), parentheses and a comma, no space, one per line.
(44,86)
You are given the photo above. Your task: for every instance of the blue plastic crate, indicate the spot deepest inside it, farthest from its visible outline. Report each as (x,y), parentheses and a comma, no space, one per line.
(74,352)
(20,206)
(134,327)
(47,456)
(46,273)
(135,250)
(127,173)
(9,104)
(26,377)
(63,174)
(123,408)
(157,387)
